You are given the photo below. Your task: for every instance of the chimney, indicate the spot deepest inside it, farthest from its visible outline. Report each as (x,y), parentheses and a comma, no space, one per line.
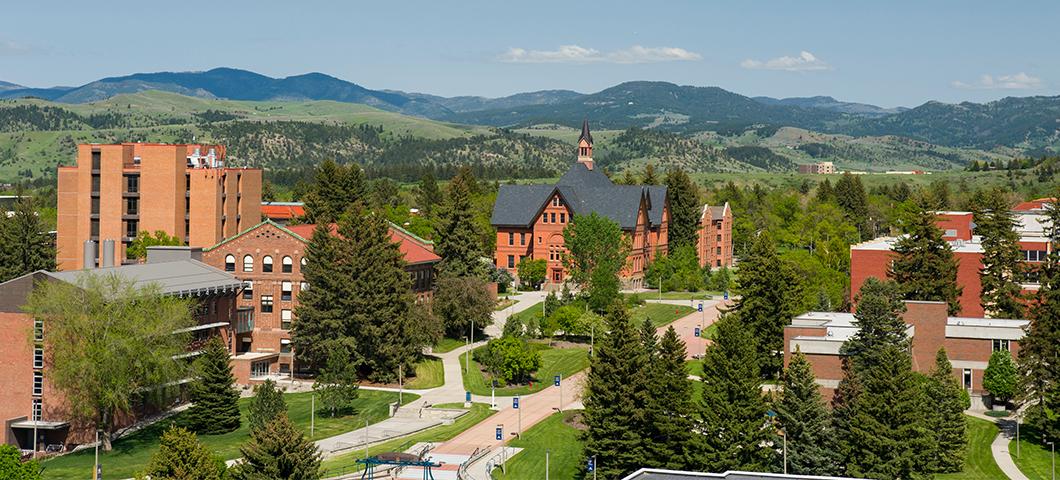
(108,253)
(89,254)
(165,253)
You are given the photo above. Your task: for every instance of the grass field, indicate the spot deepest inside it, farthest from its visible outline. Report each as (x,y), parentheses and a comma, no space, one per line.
(706,295)
(563,361)
(659,313)
(132,453)
(347,463)
(429,374)
(1035,458)
(978,460)
(448,345)
(552,434)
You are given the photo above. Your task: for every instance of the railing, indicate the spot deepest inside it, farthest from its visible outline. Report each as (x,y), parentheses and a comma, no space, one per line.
(461,471)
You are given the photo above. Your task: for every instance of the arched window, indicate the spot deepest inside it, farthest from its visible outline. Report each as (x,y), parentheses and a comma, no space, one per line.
(230,263)
(303,261)
(287,265)
(266,264)
(248,263)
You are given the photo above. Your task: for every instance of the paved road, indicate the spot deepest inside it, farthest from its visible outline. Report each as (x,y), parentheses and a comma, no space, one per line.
(686,326)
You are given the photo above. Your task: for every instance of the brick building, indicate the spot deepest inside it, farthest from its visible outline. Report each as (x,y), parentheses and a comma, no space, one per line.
(282,212)
(29,401)
(192,196)
(268,259)
(529,219)
(715,236)
(819,168)
(969,342)
(872,258)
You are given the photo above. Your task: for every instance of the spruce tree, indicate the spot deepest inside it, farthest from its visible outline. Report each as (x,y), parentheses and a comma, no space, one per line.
(279,451)
(770,294)
(459,239)
(805,420)
(181,456)
(321,319)
(611,399)
(649,175)
(733,409)
(672,397)
(267,404)
(851,197)
(428,195)
(825,192)
(923,263)
(844,413)
(879,321)
(25,245)
(684,210)
(946,416)
(334,188)
(1002,271)
(215,400)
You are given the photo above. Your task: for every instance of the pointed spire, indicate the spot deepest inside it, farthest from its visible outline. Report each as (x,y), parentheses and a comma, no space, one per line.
(588,137)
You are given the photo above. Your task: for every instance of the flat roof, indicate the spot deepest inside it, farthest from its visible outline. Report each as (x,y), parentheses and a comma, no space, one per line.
(39,424)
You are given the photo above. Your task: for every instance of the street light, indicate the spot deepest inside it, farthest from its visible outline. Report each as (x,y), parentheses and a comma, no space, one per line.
(1052,446)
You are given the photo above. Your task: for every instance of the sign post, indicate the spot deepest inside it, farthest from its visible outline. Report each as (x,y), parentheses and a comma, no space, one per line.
(591,467)
(500,432)
(558,381)
(515,405)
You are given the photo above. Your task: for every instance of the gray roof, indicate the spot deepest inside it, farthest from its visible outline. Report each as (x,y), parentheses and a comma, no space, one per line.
(180,277)
(658,474)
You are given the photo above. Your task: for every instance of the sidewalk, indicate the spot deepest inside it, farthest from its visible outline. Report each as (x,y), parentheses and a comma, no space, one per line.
(686,326)
(999,447)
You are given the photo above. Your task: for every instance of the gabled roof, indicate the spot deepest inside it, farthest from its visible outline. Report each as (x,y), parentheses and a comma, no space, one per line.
(579,175)
(712,213)
(267,221)
(282,210)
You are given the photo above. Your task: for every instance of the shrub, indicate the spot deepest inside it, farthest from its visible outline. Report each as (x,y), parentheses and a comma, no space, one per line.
(509,359)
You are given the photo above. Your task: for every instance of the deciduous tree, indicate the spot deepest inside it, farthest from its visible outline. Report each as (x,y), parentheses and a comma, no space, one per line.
(532,272)
(597,252)
(138,248)
(462,302)
(12,466)
(337,382)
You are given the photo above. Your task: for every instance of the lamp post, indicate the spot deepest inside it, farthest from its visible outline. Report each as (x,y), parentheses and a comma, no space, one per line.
(1052,446)
(547,452)
(312,413)
(1018,418)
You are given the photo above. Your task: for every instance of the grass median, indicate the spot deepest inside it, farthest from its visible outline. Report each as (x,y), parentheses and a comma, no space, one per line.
(555,435)
(564,361)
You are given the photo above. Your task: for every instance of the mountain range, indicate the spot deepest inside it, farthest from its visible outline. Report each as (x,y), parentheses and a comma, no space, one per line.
(1026,123)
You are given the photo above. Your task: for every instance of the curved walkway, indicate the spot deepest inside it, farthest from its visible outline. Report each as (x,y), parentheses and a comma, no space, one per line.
(999,447)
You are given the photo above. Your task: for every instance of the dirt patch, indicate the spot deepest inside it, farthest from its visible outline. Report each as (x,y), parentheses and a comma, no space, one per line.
(575,421)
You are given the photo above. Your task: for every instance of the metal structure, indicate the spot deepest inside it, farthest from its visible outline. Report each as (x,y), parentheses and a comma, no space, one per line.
(399,460)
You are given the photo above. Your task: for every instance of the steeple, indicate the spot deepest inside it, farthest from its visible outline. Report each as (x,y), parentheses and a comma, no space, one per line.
(585,146)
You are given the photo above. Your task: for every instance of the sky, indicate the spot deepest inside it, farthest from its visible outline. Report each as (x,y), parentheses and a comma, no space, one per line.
(888,53)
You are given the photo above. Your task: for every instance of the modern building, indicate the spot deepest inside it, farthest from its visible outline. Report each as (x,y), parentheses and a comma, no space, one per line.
(282,212)
(529,219)
(715,237)
(28,400)
(872,258)
(819,168)
(661,474)
(969,342)
(268,259)
(116,191)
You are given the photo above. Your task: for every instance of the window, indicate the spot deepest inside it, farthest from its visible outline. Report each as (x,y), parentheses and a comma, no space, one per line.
(248,290)
(288,265)
(1000,345)
(38,384)
(285,346)
(95,183)
(230,263)
(1034,255)
(93,228)
(248,263)
(95,206)
(96,159)
(38,357)
(303,286)
(285,319)
(544,217)
(717,263)
(266,304)
(285,290)
(285,368)
(303,261)
(132,184)
(266,264)
(132,206)
(553,219)
(968,379)
(511,238)
(511,261)
(522,239)
(719,237)
(131,228)
(38,330)
(38,405)
(719,250)
(562,217)
(555,201)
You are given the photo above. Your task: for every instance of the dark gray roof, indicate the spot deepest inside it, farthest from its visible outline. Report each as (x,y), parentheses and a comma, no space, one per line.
(579,175)
(517,205)
(657,474)
(181,277)
(657,194)
(586,134)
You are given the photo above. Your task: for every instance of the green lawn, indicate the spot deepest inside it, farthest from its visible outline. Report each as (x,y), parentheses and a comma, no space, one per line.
(448,345)
(565,361)
(553,434)
(132,453)
(1035,458)
(429,374)
(531,313)
(347,463)
(659,313)
(978,459)
(702,295)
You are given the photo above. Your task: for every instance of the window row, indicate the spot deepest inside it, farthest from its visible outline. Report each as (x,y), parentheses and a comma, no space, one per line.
(545,217)
(1034,255)
(286,263)
(286,291)
(511,238)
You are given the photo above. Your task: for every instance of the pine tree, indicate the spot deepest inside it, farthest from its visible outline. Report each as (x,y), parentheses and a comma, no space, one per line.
(879,321)
(923,263)
(1002,270)
(684,210)
(805,420)
(267,404)
(181,456)
(458,241)
(733,409)
(672,397)
(844,413)
(428,195)
(611,399)
(215,400)
(770,295)
(825,192)
(279,451)
(851,197)
(319,310)
(649,175)
(25,245)
(946,416)
(335,187)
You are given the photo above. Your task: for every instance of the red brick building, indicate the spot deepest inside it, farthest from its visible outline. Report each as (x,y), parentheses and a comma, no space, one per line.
(187,193)
(872,258)
(715,236)
(969,342)
(268,259)
(282,212)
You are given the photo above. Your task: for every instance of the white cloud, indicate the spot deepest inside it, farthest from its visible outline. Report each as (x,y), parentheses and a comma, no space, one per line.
(8,47)
(805,62)
(579,54)
(1018,81)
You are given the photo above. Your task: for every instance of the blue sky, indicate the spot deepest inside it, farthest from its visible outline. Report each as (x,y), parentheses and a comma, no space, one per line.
(888,53)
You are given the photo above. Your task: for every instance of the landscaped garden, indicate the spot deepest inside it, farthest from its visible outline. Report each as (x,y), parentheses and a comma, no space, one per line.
(564,359)
(131,454)
(554,434)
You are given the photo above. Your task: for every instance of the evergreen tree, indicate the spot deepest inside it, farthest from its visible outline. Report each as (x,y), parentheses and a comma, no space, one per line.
(611,399)
(215,407)
(802,414)
(879,321)
(672,441)
(428,195)
(458,241)
(649,175)
(946,416)
(770,295)
(278,452)
(334,188)
(684,210)
(181,456)
(1002,271)
(825,192)
(336,384)
(267,404)
(319,310)
(25,245)
(851,197)
(733,409)
(844,413)
(627,178)
(923,264)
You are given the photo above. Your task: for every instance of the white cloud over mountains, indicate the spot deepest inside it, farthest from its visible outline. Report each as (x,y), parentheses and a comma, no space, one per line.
(579,54)
(1016,81)
(804,62)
